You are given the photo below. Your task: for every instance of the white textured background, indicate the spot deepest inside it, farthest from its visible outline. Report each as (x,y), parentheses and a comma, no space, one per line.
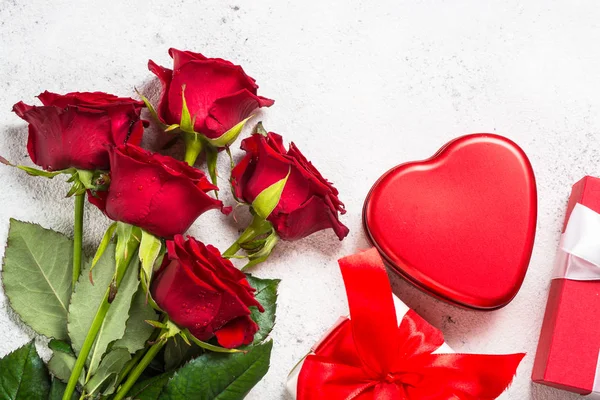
(360,86)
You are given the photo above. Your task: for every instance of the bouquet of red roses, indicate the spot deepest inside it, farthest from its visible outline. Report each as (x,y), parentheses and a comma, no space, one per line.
(154,314)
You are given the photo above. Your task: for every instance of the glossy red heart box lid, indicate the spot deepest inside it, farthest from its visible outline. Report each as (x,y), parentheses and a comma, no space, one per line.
(460,225)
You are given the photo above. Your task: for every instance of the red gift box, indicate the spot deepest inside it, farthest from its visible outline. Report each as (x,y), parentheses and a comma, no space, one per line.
(567,355)
(375,355)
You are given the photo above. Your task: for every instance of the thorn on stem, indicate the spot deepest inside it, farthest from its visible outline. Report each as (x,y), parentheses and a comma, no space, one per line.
(112,291)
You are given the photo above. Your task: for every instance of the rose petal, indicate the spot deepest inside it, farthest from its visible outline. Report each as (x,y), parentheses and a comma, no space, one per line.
(186,299)
(181,57)
(228,111)
(205,293)
(237,333)
(165,77)
(204,82)
(313,216)
(148,190)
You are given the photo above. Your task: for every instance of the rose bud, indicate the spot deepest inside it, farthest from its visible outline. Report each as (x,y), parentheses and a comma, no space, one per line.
(157,193)
(75,130)
(205,293)
(218,94)
(308,202)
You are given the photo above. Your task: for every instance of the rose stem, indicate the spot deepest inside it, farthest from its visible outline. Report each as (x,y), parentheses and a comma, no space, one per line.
(131,363)
(137,371)
(234,248)
(77,237)
(94,329)
(258,227)
(193,148)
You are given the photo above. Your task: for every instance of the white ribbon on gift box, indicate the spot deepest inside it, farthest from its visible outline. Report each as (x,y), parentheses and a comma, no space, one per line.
(401,310)
(578,255)
(578,258)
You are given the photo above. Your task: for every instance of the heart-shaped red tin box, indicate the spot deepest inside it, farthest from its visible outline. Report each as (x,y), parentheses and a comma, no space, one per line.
(461,224)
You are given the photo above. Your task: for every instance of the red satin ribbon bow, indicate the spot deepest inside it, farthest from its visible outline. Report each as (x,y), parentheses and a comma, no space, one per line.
(370,357)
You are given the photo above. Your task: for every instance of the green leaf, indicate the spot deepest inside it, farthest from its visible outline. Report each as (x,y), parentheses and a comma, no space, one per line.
(149,389)
(230,136)
(37,277)
(178,352)
(60,345)
(150,247)
(87,298)
(137,330)
(216,376)
(61,364)
(105,378)
(267,200)
(57,390)
(266,294)
(23,375)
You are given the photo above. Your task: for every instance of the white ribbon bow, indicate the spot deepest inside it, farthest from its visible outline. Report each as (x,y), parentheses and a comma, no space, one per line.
(578,256)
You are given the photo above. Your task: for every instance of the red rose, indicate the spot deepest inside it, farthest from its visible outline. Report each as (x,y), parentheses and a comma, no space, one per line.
(205,293)
(308,203)
(218,93)
(77,129)
(159,194)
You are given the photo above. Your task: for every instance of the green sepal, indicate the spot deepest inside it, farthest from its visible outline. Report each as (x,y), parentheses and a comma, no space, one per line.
(264,253)
(254,245)
(266,201)
(150,108)
(227,138)
(6,162)
(231,162)
(211,163)
(102,247)
(46,174)
(146,288)
(187,336)
(128,238)
(76,189)
(186,124)
(86,178)
(150,249)
(171,127)
(259,129)
(156,324)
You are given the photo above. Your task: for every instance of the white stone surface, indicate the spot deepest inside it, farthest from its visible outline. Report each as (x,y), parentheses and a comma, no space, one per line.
(360,86)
